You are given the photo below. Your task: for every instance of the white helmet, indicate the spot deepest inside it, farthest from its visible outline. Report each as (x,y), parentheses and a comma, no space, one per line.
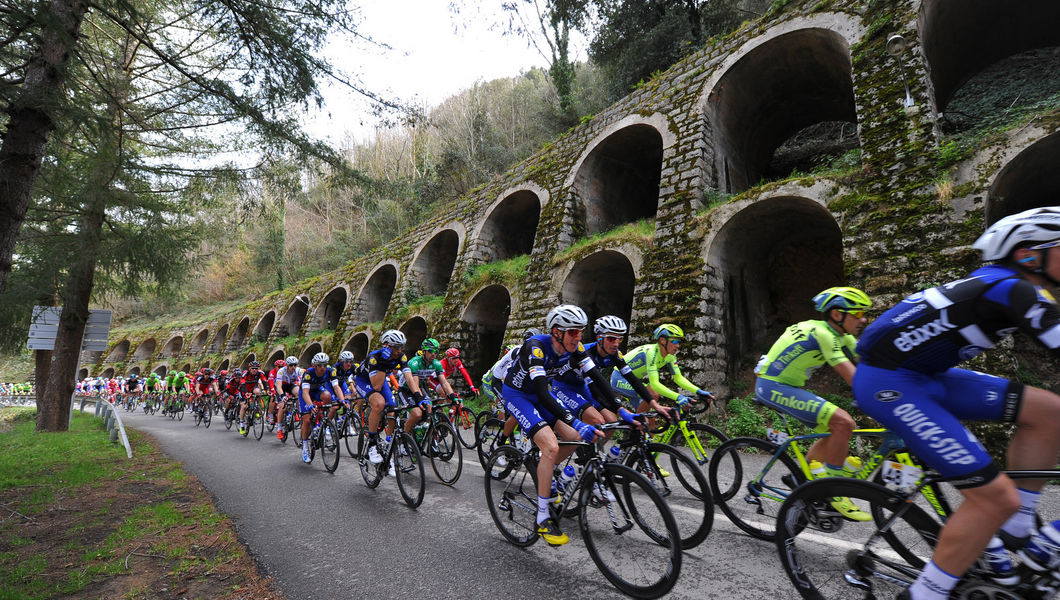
(1034,225)
(566,316)
(610,324)
(393,337)
(320,359)
(345,355)
(291,361)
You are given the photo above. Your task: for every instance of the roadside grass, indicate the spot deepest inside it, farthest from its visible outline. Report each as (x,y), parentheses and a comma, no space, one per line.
(78,519)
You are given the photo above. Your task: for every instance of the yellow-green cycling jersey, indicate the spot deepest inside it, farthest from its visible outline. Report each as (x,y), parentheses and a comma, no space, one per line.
(802,349)
(646,362)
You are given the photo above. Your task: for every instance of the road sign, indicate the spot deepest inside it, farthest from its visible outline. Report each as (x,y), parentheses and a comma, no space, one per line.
(44,327)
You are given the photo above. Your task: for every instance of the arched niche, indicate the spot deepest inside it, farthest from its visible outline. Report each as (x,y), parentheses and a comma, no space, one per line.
(264,326)
(305,360)
(1029,180)
(618,182)
(145,349)
(358,344)
(291,322)
(173,347)
(433,266)
(224,364)
(218,341)
(415,330)
(119,352)
(376,293)
(601,284)
(161,370)
(510,226)
(186,368)
(246,361)
(330,309)
(198,343)
(960,38)
(239,335)
(486,316)
(793,86)
(275,356)
(82,374)
(108,373)
(133,371)
(773,256)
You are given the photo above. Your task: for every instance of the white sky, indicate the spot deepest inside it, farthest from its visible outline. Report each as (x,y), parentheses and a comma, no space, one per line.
(434,56)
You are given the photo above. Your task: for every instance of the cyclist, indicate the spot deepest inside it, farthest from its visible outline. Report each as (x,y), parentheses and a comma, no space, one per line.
(179,384)
(346,369)
(423,366)
(252,382)
(205,385)
(609,331)
(132,390)
(450,364)
(528,398)
(151,386)
(907,380)
(320,383)
(802,349)
(229,386)
(494,379)
(289,379)
(270,415)
(370,382)
(648,360)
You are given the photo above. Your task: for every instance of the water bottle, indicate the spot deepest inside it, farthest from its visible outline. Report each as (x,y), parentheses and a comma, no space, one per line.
(817,469)
(385,445)
(1042,552)
(614,453)
(851,466)
(566,479)
(316,430)
(998,562)
(419,430)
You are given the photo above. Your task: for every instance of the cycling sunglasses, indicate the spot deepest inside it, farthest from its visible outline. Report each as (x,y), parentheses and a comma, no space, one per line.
(857,314)
(1046,245)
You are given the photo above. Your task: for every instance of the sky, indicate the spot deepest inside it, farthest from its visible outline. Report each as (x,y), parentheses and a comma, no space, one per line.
(435,54)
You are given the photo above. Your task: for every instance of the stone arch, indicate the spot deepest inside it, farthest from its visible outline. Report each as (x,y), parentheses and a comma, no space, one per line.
(119,352)
(224,364)
(510,225)
(82,374)
(276,355)
(239,335)
(1029,180)
(486,317)
(264,327)
(292,320)
(161,370)
(218,341)
(415,330)
(375,294)
(960,39)
(198,343)
(617,178)
(772,256)
(246,361)
(133,371)
(306,358)
(793,80)
(173,347)
(358,344)
(601,284)
(186,368)
(108,373)
(144,350)
(433,266)
(330,309)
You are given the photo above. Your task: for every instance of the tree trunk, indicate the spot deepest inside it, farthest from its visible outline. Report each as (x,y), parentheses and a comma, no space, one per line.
(30,120)
(42,362)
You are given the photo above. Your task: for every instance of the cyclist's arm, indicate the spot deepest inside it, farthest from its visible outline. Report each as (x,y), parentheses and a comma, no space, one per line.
(680,380)
(467,378)
(653,378)
(846,371)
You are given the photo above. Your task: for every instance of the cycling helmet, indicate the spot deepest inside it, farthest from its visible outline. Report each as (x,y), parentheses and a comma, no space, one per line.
(668,330)
(254,364)
(609,324)
(223,372)
(1034,225)
(393,337)
(291,361)
(236,373)
(566,316)
(842,298)
(320,358)
(453,352)
(531,332)
(431,345)
(279,363)
(345,355)
(207,371)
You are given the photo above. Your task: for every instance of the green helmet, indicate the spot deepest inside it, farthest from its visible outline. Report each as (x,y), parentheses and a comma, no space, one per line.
(668,330)
(431,345)
(842,298)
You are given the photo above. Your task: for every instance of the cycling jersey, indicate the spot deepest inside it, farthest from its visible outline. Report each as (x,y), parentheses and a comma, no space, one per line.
(383,360)
(313,383)
(289,379)
(249,381)
(802,349)
(345,375)
(204,383)
(647,361)
(272,380)
(620,368)
(419,367)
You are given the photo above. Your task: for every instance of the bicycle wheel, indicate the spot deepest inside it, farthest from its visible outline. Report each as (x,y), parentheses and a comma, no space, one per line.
(480,420)
(257,423)
(229,419)
(328,440)
(371,473)
(296,431)
(180,411)
(748,494)
(198,418)
(630,532)
(352,435)
(684,487)
(702,439)
(511,495)
(447,457)
(487,440)
(827,556)
(206,417)
(465,427)
(409,466)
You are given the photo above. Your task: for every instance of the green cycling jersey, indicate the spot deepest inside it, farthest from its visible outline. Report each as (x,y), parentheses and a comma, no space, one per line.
(421,369)
(802,349)
(647,361)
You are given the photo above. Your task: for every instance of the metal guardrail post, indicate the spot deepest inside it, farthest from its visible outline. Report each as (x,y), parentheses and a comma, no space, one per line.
(119,429)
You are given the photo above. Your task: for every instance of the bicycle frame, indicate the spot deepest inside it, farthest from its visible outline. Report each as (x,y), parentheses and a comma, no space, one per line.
(698,452)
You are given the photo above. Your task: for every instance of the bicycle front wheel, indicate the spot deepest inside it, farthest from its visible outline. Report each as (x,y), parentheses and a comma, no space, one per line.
(701,440)
(827,556)
(465,427)
(487,440)
(352,435)
(681,482)
(447,457)
(328,441)
(180,411)
(511,495)
(409,467)
(258,423)
(747,488)
(630,532)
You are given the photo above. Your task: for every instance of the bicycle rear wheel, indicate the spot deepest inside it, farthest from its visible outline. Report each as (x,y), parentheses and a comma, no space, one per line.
(749,495)
(409,466)
(296,431)
(511,495)
(206,417)
(465,427)
(352,435)
(487,440)
(328,440)
(630,532)
(703,440)
(684,487)
(827,556)
(371,473)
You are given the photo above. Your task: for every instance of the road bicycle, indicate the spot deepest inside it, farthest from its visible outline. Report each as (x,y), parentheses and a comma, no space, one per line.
(254,415)
(401,452)
(463,420)
(438,440)
(827,556)
(323,437)
(201,409)
(628,529)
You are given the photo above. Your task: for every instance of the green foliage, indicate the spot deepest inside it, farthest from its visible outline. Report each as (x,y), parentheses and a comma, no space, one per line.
(636,232)
(746,418)
(713,198)
(508,272)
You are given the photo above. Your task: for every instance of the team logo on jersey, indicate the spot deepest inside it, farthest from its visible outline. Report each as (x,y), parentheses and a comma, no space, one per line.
(1044,294)
(372,361)
(537,353)
(969,352)
(619,354)
(580,347)
(888,395)
(991,397)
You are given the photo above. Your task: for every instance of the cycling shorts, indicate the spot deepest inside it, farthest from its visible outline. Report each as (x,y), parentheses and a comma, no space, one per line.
(926,409)
(526,411)
(624,391)
(575,398)
(314,397)
(364,388)
(797,402)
